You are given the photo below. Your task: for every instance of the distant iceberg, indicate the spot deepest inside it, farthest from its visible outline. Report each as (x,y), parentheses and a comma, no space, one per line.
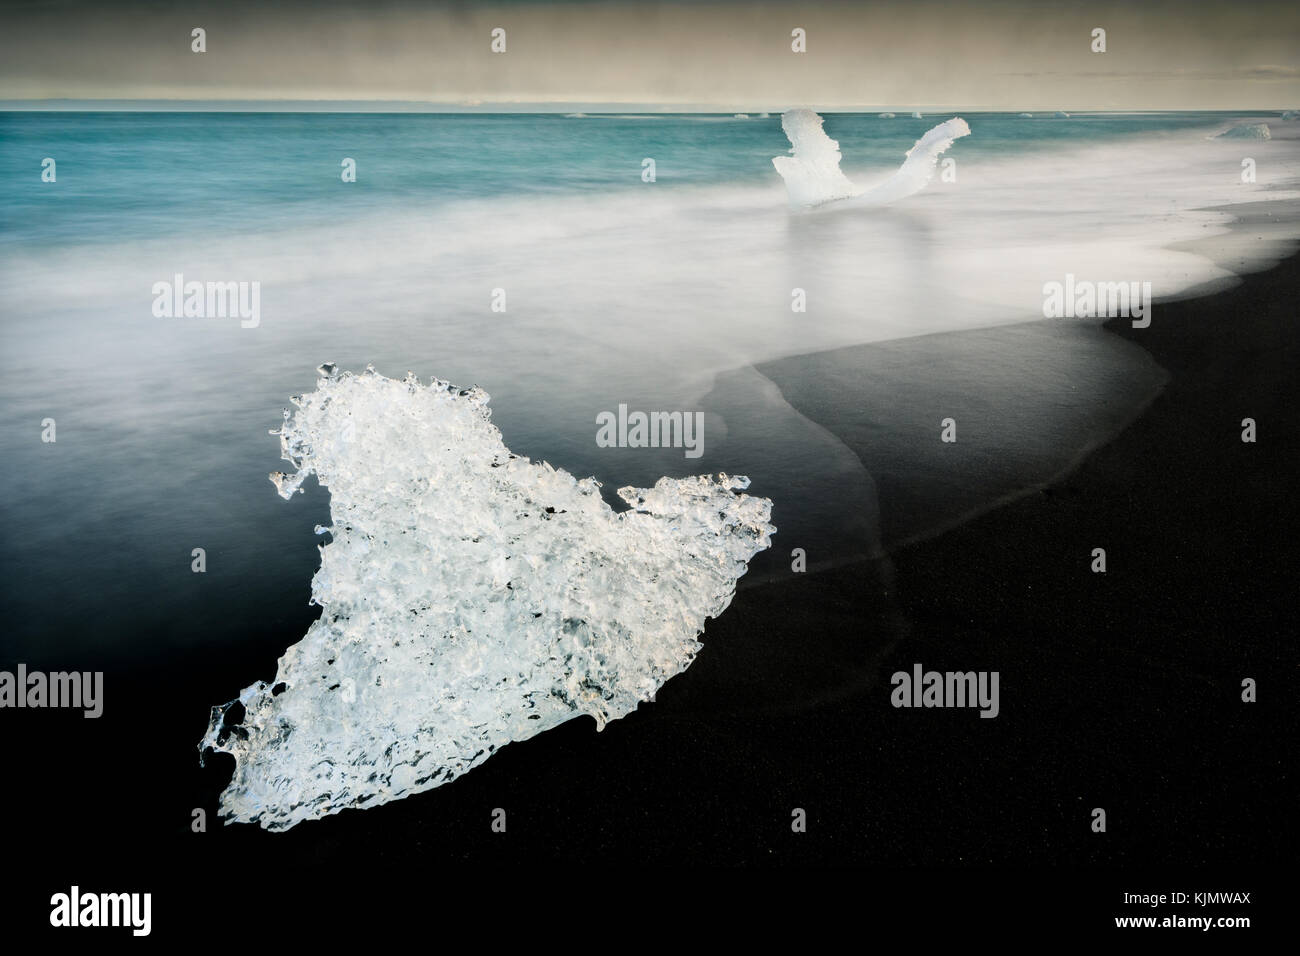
(1290,114)
(1247,131)
(741,116)
(1061,114)
(470,598)
(812,174)
(886,115)
(1025,115)
(916,114)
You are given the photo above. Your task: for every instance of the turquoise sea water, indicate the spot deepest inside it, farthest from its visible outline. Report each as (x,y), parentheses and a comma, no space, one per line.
(127,175)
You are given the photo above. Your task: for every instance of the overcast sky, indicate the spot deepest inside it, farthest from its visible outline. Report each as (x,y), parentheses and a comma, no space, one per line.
(732,56)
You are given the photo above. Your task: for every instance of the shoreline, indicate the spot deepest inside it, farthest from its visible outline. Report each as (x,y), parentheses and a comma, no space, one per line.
(1256,241)
(1123,689)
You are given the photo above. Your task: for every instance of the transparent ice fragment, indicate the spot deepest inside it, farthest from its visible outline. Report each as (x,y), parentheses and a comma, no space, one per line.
(471,598)
(812,173)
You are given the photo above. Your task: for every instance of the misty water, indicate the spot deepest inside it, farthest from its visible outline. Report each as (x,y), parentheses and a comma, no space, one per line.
(667,295)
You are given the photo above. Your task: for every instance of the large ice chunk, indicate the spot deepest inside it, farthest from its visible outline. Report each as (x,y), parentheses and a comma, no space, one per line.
(471,598)
(813,176)
(812,173)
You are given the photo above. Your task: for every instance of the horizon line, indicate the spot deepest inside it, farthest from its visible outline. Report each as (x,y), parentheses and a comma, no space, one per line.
(123,105)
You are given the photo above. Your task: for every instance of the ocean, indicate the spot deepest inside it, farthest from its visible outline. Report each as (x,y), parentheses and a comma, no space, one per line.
(529,254)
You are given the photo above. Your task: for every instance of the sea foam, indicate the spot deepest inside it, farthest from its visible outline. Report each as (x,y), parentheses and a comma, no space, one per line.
(471,598)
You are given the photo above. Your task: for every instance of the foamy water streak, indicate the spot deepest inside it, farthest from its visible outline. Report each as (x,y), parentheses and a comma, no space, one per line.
(471,598)
(813,176)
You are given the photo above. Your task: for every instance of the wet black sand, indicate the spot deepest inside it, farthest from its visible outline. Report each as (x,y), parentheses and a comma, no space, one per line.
(1119,690)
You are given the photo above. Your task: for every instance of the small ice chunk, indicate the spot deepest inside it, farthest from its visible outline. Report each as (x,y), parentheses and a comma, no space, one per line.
(1247,131)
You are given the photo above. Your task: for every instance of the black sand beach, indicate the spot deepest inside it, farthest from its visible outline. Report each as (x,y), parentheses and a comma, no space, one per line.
(1119,690)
